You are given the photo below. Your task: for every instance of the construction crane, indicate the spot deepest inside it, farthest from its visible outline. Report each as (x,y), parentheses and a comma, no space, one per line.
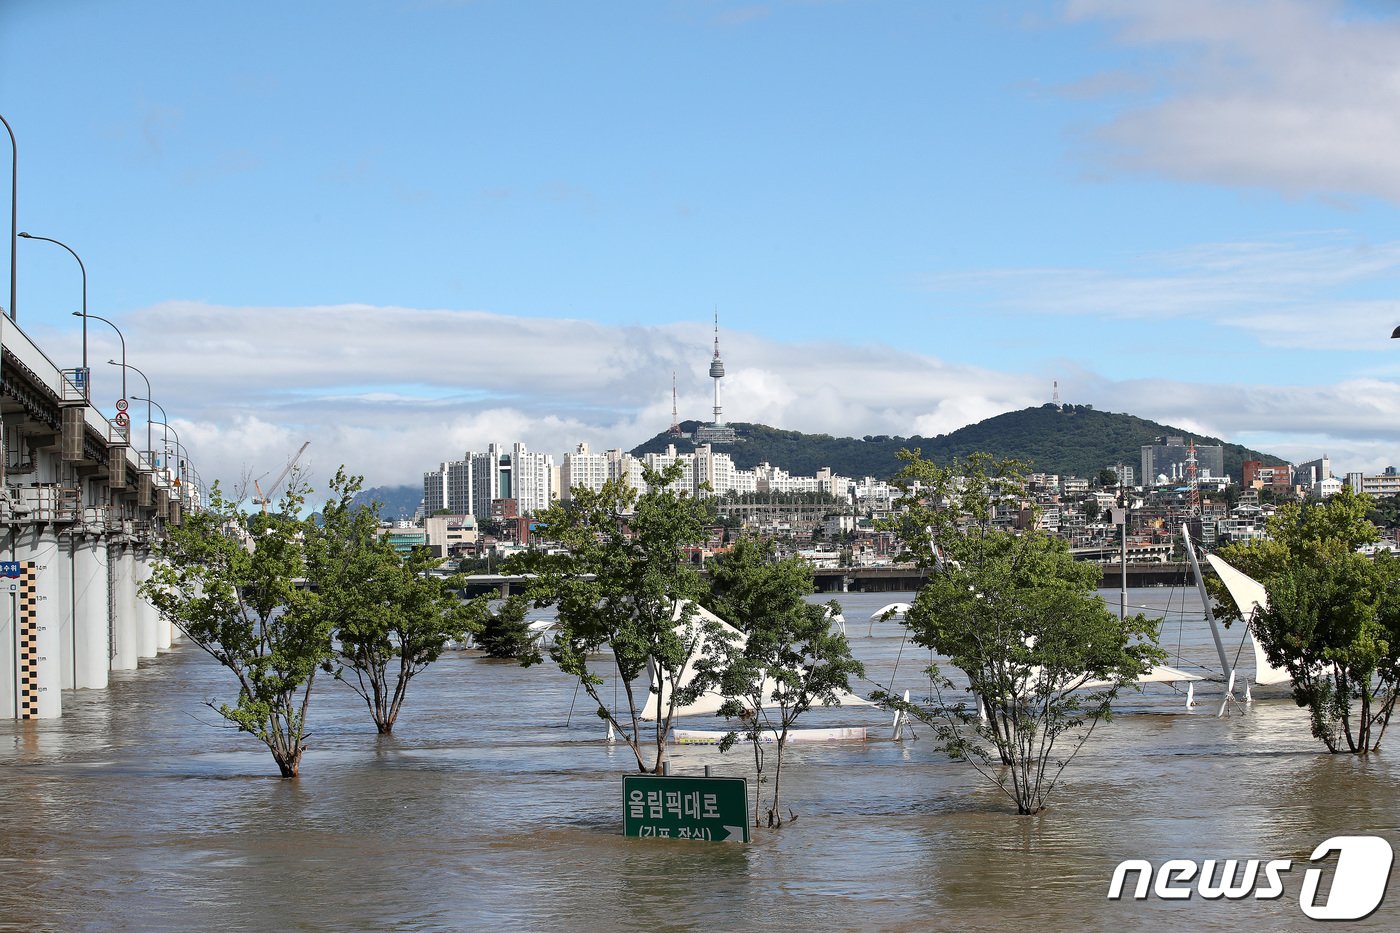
(263,500)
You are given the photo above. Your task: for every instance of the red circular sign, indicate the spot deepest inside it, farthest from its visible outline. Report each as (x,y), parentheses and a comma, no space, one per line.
(121,404)
(121,420)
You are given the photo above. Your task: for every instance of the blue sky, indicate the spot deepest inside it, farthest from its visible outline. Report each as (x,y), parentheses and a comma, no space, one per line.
(406,229)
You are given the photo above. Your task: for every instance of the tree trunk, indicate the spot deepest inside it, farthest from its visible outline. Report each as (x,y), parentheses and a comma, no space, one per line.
(775,815)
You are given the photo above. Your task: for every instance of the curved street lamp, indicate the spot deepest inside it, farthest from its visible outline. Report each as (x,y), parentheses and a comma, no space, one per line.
(125,366)
(164,424)
(87,388)
(14,210)
(120,336)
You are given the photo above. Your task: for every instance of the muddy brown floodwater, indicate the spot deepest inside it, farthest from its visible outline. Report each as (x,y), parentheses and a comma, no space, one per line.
(494,808)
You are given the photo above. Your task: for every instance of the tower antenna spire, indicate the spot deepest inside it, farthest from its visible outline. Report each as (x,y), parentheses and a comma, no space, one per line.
(716,432)
(675,412)
(717,373)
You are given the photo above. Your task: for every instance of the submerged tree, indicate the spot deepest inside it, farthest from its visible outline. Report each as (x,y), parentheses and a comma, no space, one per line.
(232,590)
(790,659)
(391,616)
(620,583)
(1333,619)
(1041,654)
(505,633)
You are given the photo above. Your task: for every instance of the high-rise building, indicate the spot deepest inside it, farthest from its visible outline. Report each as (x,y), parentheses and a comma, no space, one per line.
(490,478)
(532,478)
(582,468)
(449,487)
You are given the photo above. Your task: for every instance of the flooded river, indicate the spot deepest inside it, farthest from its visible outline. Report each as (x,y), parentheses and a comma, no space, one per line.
(495,808)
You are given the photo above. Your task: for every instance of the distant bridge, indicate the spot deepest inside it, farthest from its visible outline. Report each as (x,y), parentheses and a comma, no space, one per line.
(879,579)
(904,579)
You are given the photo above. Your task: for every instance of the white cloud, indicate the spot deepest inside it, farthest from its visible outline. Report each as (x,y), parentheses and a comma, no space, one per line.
(1288,293)
(391,392)
(1297,95)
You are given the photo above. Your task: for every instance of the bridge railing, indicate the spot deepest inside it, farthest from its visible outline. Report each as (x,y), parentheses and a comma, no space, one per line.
(28,354)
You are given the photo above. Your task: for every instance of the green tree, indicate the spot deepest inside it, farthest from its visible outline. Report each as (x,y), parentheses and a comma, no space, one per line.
(1022,621)
(391,616)
(620,582)
(1108,479)
(232,590)
(1333,619)
(506,634)
(1385,512)
(790,659)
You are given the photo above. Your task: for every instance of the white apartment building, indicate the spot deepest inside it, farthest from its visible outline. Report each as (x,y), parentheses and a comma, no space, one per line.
(527,478)
(435,490)
(532,480)
(685,483)
(715,469)
(627,468)
(448,487)
(489,476)
(583,468)
(876,494)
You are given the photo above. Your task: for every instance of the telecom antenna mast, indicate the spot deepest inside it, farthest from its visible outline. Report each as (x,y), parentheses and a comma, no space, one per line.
(675,412)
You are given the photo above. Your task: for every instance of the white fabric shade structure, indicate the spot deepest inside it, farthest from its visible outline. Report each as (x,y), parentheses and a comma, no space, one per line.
(1159,674)
(1250,597)
(893,610)
(710,701)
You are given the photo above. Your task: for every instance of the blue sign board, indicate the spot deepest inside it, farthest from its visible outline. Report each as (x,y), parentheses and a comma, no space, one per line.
(9,568)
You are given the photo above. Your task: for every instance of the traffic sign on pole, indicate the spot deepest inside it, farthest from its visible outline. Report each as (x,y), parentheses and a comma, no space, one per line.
(711,809)
(121,404)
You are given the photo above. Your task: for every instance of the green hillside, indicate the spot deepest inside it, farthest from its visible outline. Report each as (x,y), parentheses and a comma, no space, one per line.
(1075,440)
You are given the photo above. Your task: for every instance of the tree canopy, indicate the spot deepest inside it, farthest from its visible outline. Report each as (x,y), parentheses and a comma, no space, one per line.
(1041,657)
(790,660)
(620,584)
(391,616)
(1333,619)
(232,589)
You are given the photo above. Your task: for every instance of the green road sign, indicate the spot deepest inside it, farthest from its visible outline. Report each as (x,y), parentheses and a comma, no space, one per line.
(714,809)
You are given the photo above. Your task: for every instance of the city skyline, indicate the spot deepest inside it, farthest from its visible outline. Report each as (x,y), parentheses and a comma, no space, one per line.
(399,230)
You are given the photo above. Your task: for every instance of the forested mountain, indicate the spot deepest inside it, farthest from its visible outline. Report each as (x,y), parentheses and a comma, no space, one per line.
(395,501)
(1072,440)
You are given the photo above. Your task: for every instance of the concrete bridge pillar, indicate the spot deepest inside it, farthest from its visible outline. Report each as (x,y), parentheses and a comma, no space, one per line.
(91,618)
(63,609)
(148,641)
(126,631)
(35,621)
(153,625)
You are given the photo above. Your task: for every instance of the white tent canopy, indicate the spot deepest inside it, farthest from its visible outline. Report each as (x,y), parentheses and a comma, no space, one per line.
(710,701)
(1250,597)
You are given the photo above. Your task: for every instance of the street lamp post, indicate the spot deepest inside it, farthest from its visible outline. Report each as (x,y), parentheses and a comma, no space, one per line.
(120,336)
(182,455)
(14,210)
(87,388)
(125,366)
(164,424)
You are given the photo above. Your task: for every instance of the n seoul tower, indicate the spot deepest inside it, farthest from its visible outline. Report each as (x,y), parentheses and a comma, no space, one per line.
(717,373)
